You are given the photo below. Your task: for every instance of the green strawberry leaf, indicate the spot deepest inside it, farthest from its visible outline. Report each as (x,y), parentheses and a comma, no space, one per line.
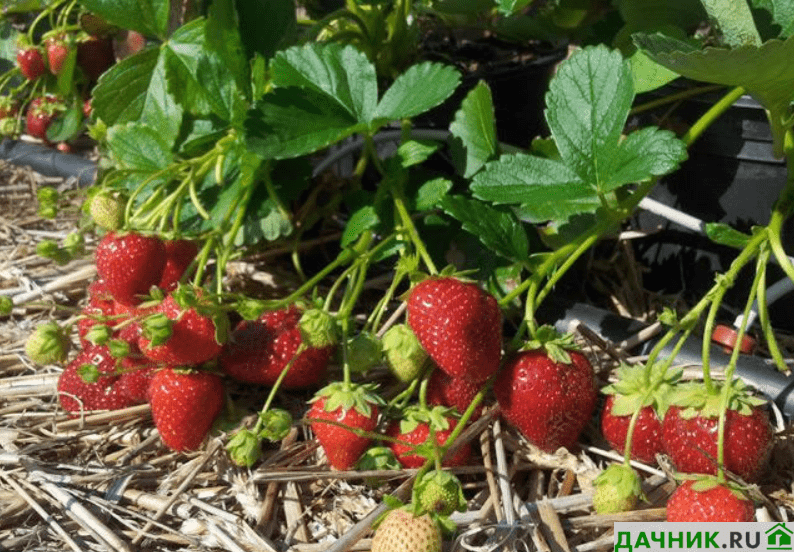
(546,189)
(430,194)
(148,17)
(359,222)
(340,74)
(415,152)
(421,87)
(764,71)
(286,124)
(782,12)
(497,229)
(587,107)
(475,127)
(222,32)
(138,146)
(724,234)
(120,94)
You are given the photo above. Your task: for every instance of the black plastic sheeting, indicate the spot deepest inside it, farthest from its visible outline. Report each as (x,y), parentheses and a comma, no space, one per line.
(48,161)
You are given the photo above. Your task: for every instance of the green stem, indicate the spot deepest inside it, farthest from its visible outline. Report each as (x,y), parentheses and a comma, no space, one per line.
(276,385)
(764,321)
(711,115)
(413,234)
(728,385)
(678,96)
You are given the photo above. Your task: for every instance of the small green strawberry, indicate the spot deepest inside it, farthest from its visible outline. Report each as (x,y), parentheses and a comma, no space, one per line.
(107,210)
(403,352)
(439,493)
(318,329)
(363,352)
(617,490)
(49,343)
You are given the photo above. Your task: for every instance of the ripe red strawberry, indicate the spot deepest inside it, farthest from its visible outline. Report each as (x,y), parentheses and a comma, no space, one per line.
(402,531)
(31,63)
(646,442)
(57,52)
(353,406)
(194,323)
(130,264)
(184,406)
(135,378)
(638,388)
(459,325)
(412,445)
(178,256)
(92,388)
(257,352)
(707,500)
(95,56)
(690,438)
(548,400)
(40,114)
(457,393)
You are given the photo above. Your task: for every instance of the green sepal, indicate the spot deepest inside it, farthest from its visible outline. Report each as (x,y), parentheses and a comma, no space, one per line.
(358,396)
(251,309)
(119,348)
(377,459)
(554,343)
(6,305)
(695,400)
(88,373)
(276,424)
(318,329)
(636,388)
(703,482)
(99,334)
(244,448)
(157,328)
(437,418)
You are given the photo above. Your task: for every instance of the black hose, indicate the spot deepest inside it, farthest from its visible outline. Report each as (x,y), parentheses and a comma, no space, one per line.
(48,161)
(756,371)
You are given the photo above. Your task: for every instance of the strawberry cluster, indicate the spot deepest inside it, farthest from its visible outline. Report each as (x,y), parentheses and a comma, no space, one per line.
(60,68)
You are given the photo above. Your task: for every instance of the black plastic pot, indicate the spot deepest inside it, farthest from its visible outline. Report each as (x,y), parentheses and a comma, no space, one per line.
(48,161)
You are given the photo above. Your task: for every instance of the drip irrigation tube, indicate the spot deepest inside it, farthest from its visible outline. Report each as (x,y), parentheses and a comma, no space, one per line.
(48,161)
(756,371)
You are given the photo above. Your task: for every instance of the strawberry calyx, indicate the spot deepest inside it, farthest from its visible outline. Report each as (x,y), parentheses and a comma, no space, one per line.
(695,399)
(345,395)
(437,418)
(438,493)
(318,329)
(703,482)
(633,390)
(555,344)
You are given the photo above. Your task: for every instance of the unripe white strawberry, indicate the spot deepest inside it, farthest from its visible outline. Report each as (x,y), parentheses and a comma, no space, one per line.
(401,531)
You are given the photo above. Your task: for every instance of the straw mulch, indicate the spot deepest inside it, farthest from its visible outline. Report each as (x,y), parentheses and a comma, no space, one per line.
(106,482)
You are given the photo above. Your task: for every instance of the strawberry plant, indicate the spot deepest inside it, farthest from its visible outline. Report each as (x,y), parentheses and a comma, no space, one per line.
(215,139)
